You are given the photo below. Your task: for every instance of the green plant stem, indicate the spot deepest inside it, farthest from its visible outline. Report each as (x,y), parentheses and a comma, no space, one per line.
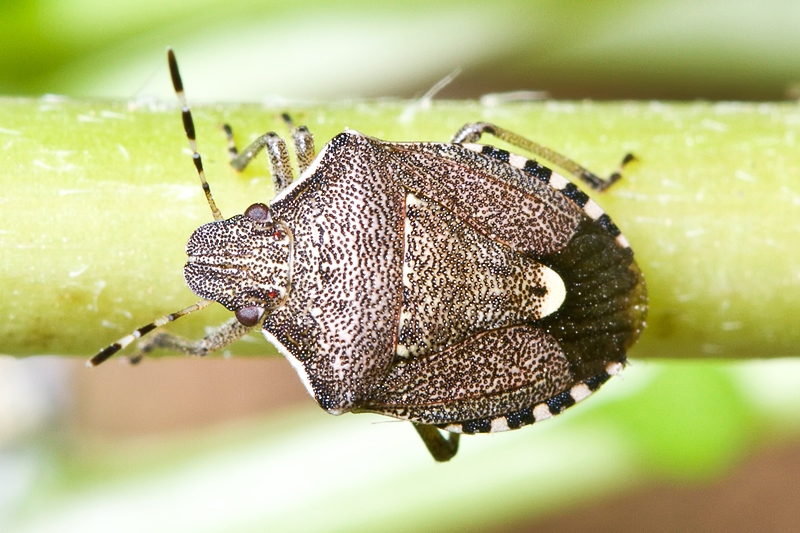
(98,199)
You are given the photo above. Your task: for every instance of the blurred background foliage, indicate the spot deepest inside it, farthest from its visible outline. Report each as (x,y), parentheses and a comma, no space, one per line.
(669,49)
(216,445)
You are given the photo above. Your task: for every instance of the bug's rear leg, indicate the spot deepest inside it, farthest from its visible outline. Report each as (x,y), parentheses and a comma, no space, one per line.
(471,133)
(442,448)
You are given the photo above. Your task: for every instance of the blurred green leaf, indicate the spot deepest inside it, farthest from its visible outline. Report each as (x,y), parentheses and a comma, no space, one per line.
(250,49)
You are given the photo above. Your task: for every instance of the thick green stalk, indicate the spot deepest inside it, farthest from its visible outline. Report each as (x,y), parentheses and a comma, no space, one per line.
(98,199)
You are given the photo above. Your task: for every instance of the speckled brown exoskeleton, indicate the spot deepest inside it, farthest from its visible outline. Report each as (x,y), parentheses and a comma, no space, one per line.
(458,286)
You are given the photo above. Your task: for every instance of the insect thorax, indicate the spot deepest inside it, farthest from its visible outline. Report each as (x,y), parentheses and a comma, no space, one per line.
(240,262)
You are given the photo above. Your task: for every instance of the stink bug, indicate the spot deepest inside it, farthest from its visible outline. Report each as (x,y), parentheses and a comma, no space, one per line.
(454,285)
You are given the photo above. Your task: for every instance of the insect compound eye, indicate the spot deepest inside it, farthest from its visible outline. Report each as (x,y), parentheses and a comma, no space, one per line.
(249,316)
(259,213)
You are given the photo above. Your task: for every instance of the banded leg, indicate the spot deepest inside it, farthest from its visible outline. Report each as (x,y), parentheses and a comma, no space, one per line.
(280,167)
(442,448)
(277,154)
(303,144)
(471,133)
(121,344)
(224,335)
(232,150)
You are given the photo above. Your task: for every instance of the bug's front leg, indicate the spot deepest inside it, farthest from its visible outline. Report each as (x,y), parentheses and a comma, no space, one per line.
(303,142)
(442,448)
(278,155)
(224,335)
(471,133)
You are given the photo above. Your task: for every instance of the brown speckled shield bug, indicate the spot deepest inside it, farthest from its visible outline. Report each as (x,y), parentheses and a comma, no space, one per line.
(455,285)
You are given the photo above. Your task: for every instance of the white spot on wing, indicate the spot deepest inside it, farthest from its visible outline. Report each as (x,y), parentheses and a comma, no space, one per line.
(556,292)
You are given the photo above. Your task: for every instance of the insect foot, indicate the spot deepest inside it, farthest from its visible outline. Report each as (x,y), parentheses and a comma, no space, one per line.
(458,286)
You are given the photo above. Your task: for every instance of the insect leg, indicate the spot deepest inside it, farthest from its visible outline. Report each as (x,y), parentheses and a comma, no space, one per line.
(115,347)
(442,448)
(227,333)
(303,144)
(232,150)
(276,152)
(471,133)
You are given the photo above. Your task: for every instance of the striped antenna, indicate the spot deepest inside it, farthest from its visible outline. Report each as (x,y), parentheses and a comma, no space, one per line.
(188,125)
(121,344)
